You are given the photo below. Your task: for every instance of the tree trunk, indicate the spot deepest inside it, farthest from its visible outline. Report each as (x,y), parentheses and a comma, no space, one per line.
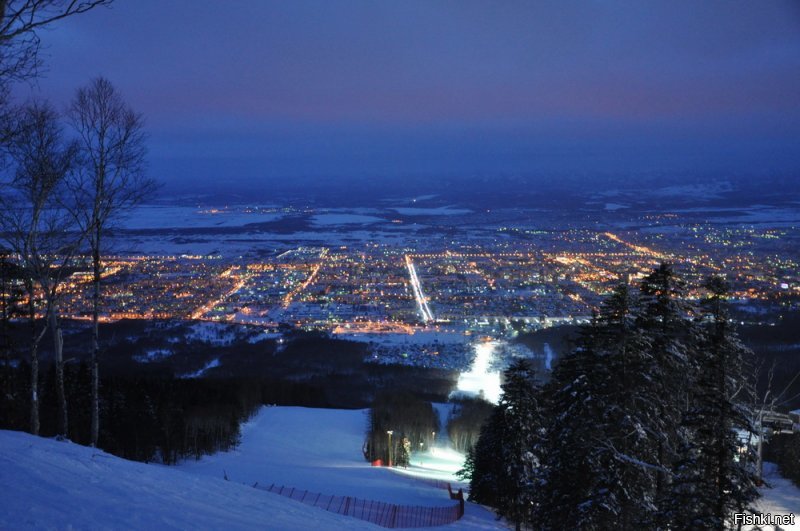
(58,349)
(96,341)
(5,315)
(34,389)
(34,360)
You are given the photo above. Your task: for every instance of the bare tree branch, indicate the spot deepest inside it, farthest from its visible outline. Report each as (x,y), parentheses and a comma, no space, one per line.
(20,21)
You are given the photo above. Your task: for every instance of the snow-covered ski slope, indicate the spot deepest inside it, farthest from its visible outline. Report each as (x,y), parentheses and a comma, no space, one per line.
(47,484)
(319,450)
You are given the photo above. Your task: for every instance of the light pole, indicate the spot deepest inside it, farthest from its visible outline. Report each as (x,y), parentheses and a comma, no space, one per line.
(389,433)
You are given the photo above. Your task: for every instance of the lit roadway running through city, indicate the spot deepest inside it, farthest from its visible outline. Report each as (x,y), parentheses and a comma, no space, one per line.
(638,248)
(228,273)
(287,299)
(422,300)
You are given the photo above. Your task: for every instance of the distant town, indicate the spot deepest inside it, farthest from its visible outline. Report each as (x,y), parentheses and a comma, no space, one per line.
(516,279)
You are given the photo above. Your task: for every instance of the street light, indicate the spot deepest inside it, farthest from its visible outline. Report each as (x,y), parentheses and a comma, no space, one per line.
(390,432)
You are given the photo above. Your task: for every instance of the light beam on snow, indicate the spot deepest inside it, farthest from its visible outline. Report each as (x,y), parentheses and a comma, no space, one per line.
(481,379)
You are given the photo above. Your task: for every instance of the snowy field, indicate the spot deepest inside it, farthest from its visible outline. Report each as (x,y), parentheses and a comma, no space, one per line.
(345,219)
(438,211)
(164,217)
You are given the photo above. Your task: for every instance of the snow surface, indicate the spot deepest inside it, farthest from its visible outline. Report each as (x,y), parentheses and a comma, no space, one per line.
(205,368)
(345,219)
(549,356)
(153,355)
(319,450)
(438,211)
(47,484)
(212,333)
(779,496)
(163,217)
(481,379)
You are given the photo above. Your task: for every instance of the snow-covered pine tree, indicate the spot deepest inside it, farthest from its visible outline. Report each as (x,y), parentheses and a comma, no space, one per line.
(600,465)
(503,468)
(483,467)
(523,435)
(714,475)
(629,409)
(577,472)
(664,321)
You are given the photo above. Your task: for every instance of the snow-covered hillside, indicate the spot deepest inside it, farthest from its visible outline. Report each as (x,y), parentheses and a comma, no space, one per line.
(58,485)
(320,450)
(313,449)
(47,484)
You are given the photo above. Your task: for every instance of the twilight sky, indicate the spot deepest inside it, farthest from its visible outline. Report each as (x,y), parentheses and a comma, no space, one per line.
(248,90)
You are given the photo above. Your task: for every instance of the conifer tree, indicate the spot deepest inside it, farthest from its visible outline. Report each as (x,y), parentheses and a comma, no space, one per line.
(714,475)
(575,493)
(630,413)
(523,435)
(503,468)
(664,321)
(11,295)
(643,416)
(484,467)
(600,470)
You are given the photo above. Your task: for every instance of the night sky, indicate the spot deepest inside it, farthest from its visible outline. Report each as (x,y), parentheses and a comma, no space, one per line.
(250,91)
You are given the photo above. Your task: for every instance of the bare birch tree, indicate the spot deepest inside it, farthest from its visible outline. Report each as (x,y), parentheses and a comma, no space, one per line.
(38,227)
(20,60)
(111,181)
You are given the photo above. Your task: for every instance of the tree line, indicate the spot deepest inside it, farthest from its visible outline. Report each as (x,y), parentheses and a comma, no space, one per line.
(66,178)
(465,421)
(143,417)
(406,417)
(646,423)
